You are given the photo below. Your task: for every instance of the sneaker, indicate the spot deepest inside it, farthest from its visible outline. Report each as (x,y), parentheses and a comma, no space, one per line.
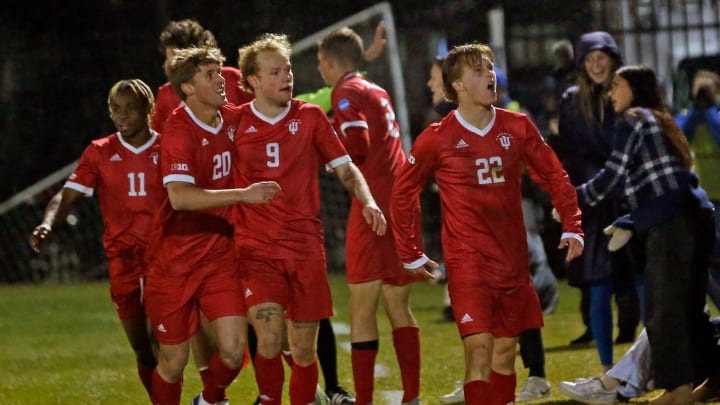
(534,388)
(199,400)
(340,396)
(455,397)
(583,339)
(589,391)
(320,397)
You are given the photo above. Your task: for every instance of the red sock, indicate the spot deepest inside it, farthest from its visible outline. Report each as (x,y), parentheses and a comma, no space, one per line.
(218,376)
(407,350)
(363,366)
(205,377)
(477,392)
(303,382)
(270,377)
(288,358)
(146,376)
(163,392)
(503,388)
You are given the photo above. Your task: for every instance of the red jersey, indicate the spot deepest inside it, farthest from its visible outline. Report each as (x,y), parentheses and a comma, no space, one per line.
(127,180)
(167,100)
(289,150)
(478,172)
(357,102)
(196,153)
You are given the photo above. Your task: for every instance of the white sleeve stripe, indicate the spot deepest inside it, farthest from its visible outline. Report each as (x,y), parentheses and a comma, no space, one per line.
(339,161)
(88,191)
(183,178)
(566,235)
(417,263)
(359,124)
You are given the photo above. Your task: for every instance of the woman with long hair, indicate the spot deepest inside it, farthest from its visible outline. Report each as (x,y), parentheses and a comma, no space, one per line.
(649,170)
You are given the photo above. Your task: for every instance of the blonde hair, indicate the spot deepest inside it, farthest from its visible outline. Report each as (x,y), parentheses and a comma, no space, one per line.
(247,55)
(186,62)
(470,55)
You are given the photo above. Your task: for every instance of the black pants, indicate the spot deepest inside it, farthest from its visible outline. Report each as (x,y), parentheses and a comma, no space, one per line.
(676,271)
(532,352)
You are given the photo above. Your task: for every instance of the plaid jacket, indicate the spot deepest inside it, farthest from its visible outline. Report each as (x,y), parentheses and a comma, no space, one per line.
(643,170)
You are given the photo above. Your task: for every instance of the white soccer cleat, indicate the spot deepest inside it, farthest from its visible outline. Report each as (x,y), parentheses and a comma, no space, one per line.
(455,397)
(590,391)
(534,388)
(320,397)
(199,400)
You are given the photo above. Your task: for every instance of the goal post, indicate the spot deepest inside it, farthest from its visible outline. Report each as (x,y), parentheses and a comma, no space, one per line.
(378,12)
(75,250)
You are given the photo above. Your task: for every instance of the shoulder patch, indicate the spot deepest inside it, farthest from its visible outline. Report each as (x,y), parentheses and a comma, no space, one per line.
(343,104)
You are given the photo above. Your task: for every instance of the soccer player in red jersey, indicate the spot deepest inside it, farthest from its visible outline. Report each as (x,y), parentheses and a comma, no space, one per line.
(364,118)
(186,34)
(476,154)
(123,169)
(280,245)
(193,263)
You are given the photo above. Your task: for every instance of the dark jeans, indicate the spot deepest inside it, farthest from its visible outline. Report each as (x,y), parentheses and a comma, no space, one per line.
(676,275)
(532,352)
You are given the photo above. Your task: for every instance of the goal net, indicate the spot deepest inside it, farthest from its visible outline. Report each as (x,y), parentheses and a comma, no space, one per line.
(75,251)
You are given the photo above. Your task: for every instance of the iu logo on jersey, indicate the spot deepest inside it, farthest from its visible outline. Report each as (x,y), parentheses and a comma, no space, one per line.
(154,156)
(231,133)
(293,126)
(504,139)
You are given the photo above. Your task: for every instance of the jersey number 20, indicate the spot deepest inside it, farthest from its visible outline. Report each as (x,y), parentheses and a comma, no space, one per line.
(221,165)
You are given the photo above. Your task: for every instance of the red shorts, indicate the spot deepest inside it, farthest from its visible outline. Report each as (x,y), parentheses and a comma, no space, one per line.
(300,286)
(127,274)
(503,312)
(371,257)
(173,301)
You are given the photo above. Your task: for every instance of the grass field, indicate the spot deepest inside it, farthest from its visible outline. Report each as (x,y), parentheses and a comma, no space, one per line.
(62,344)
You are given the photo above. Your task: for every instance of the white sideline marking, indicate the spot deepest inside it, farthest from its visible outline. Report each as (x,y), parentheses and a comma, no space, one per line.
(391,397)
(341,328)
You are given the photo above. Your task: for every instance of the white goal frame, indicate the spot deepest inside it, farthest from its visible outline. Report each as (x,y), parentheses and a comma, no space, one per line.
(393,59)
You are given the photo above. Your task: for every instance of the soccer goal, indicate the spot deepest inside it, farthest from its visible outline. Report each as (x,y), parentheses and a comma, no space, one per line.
(75,251)
(387,72)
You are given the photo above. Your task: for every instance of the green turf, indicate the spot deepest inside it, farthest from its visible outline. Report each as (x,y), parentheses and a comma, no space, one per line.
(63,344)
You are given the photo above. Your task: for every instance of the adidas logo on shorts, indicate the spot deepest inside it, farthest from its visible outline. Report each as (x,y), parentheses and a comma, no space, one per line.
(466,318)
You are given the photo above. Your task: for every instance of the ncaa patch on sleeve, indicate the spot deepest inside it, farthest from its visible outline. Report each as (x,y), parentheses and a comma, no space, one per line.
(343,104)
